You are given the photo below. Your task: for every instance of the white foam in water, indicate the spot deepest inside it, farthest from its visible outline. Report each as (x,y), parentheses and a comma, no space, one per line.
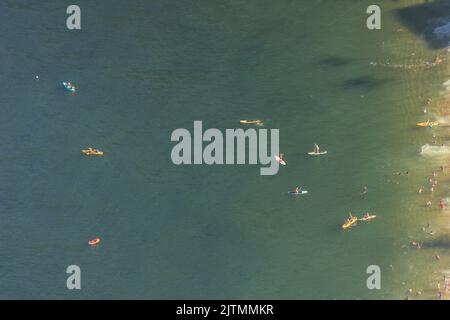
(446,85)
(430,150)
(444,121)
(442,31)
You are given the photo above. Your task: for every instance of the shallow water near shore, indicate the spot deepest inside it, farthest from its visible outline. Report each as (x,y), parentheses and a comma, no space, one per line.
(308,68)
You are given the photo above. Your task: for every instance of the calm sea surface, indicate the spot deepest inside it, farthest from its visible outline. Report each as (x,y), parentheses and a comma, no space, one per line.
(146,68)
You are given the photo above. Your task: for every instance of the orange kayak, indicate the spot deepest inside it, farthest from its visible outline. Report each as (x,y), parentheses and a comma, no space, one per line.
(427,124)
(92,152)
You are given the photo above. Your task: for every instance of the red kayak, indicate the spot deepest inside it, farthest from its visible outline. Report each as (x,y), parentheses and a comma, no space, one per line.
(280,160)
(94,242)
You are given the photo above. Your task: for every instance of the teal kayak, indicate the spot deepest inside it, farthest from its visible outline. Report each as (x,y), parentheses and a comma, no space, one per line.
(69,87)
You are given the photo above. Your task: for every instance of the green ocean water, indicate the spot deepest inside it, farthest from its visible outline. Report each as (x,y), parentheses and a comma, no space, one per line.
(147,68)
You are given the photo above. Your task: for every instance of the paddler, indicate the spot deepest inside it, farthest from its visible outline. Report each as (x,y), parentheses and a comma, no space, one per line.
(316,148)
(297,189)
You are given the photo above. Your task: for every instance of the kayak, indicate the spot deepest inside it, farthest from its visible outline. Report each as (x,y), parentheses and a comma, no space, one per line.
(69,87)
(293,193)
(312,153)
(350,223)
(94,242)
(370,217)
(427,124)
(281,161)
(250,121)
(92,152)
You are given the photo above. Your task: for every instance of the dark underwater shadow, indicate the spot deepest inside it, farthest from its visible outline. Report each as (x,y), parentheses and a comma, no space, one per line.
(422,19)
(334,62)
(365,83)
(442,242)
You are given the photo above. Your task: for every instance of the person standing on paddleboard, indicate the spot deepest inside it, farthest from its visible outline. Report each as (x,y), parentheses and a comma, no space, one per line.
(316,148)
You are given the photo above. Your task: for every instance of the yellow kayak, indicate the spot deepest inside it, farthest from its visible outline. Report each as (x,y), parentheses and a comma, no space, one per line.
(350,222)
(92,152)
(250,121)
(427,124)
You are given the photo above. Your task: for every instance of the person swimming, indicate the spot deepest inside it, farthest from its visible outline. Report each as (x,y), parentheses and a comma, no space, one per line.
(364,190)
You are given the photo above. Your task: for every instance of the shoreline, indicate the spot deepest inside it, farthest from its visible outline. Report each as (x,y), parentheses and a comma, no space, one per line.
(440,143)
(444,109)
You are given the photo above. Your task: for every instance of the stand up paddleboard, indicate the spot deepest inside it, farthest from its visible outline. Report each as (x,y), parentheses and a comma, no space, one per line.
(293,193)
(250,121)
(280,161)
(312,153)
